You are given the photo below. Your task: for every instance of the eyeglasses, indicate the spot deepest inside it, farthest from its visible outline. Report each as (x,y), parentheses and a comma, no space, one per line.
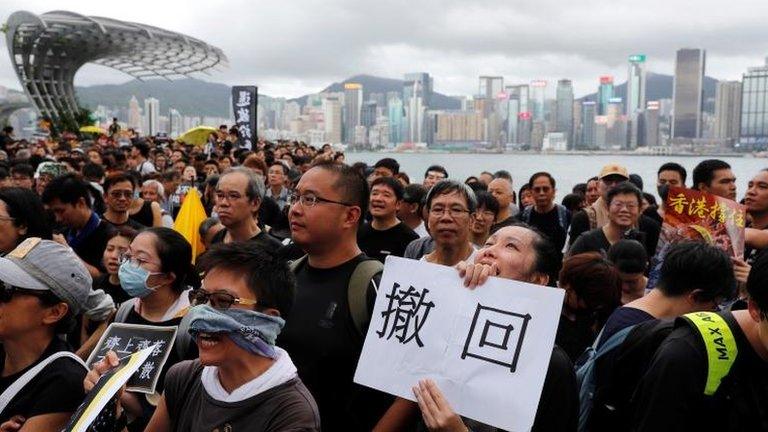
(118,194)
(136,262)
(453,212)
(7,292)
(217,299)
(618,205)
(309,200)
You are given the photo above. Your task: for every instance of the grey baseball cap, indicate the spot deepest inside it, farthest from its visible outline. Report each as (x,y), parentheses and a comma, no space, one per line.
(45,265)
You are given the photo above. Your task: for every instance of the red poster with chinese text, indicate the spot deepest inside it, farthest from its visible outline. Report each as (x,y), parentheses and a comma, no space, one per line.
(699,216)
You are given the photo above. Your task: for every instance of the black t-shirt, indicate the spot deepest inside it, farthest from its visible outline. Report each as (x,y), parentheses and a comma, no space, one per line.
(91,249)
(325,346)
(134,318)
(379,244)
(646,225)
(621,318)
(574,336)
(130,223)
(117,292)
(549,224)
(501,224)
(263,239)
(670,396)
(144,216)
(58,388)
(270,214)
(558,409)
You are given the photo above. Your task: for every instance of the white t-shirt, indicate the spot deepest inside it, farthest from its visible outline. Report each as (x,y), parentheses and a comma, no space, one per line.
(471,258)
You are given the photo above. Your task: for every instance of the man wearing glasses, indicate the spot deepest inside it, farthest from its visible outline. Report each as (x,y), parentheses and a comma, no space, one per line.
(239,194)
(118,197)
(597,215)
(324,332)
(450,206)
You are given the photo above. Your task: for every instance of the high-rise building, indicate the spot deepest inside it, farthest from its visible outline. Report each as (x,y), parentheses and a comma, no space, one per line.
(754,113)
(368,114)
(513,112)
(134,114)
(636,84)
(176,128)
(728,111)
(576,130)
(396,115)
(564,112)
(332,119)
(151,116)
(418,84)
(688,93)
(489,89)
(417,96)
(651,123)
(353,104)
(538,95)
(604,93)
(588,114)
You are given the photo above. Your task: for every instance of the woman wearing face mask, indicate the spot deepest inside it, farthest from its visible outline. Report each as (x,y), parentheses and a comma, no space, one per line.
(241,381)
(155,272)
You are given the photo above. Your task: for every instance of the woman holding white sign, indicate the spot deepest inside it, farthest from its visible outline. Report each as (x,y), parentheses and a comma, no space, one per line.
(519,253)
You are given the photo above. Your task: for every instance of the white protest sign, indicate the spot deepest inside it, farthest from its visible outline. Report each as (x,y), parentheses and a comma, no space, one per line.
(488,349)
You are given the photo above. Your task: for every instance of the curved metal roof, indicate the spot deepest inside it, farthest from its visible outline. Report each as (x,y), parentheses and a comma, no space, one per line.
(47,50)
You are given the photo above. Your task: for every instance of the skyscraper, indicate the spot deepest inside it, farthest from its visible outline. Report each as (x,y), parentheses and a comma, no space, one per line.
(564,112)
(417,96)
(332,119)
(588,114)
(134,114)
(754,114)
(395,117)
(728,111)
(490,87)
(151,116)
(418,84)
(604,93)
(176,127)
(688,93)
(652,113)
(538,94)
(636,84)
(353,104)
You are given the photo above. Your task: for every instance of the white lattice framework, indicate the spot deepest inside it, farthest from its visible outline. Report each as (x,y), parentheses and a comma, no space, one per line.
(47,50)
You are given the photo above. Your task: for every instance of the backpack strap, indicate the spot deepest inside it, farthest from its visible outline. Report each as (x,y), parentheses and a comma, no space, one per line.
(526,215)
(29,375)
(720,344)
(297,263)
(592,215)
(562,216)
(357,291)
(124,310)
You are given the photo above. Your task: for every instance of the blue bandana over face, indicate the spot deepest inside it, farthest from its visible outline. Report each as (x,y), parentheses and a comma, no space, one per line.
(252,331)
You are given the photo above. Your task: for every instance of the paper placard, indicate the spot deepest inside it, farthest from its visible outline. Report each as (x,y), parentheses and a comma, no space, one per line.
(487,349)
(126,339)
(109,384)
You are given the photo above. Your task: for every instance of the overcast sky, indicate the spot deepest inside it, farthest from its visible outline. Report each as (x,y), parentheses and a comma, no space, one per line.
(293,47)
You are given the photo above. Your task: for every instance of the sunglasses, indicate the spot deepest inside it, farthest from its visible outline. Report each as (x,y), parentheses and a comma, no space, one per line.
(217,299)
(8,291)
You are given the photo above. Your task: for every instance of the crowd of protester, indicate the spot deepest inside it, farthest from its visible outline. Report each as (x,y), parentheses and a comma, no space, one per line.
(295,241)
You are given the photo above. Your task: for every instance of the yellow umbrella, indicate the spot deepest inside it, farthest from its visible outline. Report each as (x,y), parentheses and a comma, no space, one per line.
(187,223)
(93,130)
(197,135)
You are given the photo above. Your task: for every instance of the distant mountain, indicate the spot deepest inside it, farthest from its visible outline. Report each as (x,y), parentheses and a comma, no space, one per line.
(188,96)
(372,84)
(658,86)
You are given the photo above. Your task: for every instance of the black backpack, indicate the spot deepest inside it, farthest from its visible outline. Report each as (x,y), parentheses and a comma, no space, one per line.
(619,376)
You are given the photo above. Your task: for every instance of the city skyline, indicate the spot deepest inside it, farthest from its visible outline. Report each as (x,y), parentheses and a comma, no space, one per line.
(296,49)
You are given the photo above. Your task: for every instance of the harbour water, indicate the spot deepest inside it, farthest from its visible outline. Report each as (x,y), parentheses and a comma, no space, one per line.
(568,170)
